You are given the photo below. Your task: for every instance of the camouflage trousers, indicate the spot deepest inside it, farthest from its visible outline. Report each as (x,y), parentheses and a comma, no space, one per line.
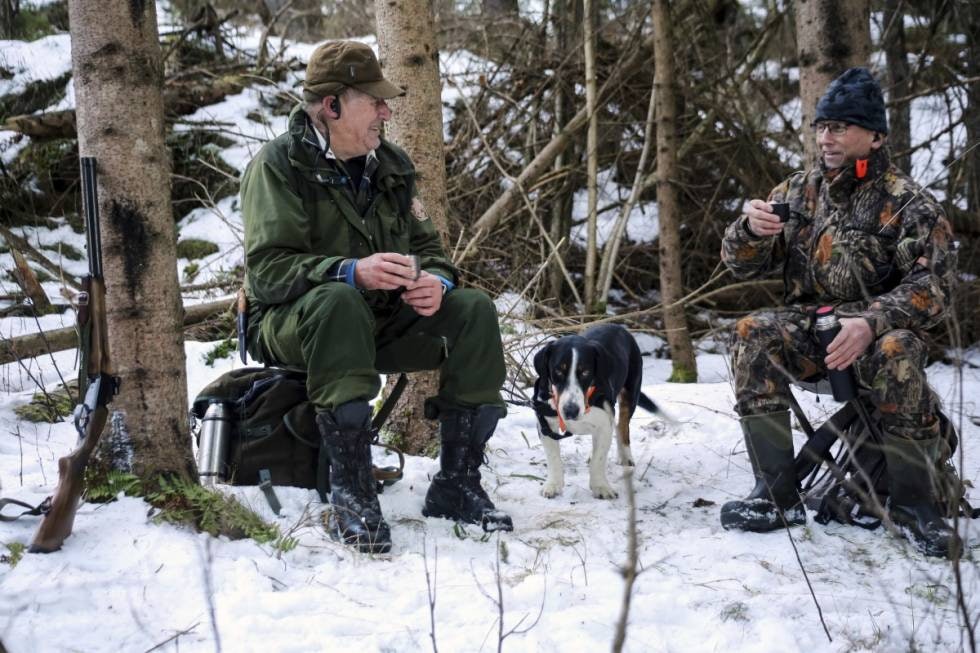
(771,349)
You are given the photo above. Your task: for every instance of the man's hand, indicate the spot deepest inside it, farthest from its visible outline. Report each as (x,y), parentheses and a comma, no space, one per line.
(852,341)
(762,221)
(424,295)
(384,271)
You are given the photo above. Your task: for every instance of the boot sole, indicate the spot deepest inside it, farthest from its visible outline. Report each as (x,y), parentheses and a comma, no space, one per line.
(372,547)
(909,527)
(488,522)
(745,519)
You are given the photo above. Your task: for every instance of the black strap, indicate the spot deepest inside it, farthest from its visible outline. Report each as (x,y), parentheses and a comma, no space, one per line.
(389,404)
(36,511)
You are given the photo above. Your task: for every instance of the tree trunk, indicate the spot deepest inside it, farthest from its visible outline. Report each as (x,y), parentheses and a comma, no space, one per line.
(970,19)
(685,368)
(118,79)
(899,84)
(592,158)
(410,58)
(831,36)
(567,17)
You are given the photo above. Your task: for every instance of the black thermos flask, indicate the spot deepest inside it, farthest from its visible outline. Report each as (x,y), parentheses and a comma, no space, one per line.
(841,381)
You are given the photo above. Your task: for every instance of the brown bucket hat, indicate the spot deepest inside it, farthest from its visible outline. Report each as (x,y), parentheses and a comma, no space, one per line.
(338,64)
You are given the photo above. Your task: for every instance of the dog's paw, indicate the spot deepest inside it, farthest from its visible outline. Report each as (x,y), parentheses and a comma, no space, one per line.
(550,490)
(604,492)
(626,457)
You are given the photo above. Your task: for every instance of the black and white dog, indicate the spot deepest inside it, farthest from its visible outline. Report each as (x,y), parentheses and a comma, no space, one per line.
(580,381)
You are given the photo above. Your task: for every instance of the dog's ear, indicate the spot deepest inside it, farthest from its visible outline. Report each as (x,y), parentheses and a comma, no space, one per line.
(541,360)
(603,371)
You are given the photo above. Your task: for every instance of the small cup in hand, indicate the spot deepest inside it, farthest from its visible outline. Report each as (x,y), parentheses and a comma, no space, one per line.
(781,209)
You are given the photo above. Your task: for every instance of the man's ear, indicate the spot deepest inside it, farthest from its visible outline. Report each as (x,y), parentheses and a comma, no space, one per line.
(331,106)
(877,141)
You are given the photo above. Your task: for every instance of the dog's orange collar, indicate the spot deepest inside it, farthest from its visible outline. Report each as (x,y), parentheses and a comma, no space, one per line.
(588,398)
(554,401)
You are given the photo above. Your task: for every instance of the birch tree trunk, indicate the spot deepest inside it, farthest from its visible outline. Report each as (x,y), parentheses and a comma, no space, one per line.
(969,15)
(671,282)
(592,158)
(410,59)
(831,36)
(118,88)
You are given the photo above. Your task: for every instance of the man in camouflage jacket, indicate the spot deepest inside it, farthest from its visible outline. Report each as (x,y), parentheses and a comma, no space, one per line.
(863,237)
(332,223)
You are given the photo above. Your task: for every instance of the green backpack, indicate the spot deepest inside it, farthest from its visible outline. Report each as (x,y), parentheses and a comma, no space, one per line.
(273,425)
(274,439)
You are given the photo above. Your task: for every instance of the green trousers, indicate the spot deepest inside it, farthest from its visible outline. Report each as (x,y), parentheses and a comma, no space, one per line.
(333,334)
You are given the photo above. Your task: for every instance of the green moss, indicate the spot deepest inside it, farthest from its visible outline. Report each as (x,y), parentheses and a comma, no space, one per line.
(15,551)
(69,252)
(187,503)
(183,502)
(51,407)
(195,248)
(190,272)
(683,375)
(223,349)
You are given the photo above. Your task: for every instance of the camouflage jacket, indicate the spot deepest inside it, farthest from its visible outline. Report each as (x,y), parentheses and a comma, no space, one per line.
(878,247)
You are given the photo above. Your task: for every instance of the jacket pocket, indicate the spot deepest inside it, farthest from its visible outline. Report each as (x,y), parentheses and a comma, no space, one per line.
(860,264)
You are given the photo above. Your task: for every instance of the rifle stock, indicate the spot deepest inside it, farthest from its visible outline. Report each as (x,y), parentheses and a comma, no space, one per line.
(58,521)
(96,387)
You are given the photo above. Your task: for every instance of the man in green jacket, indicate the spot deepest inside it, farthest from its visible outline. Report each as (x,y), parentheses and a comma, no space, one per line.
(863,237)
(333,232)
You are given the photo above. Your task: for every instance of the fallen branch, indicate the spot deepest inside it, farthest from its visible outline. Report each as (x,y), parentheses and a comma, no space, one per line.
(16,242)
(35,344)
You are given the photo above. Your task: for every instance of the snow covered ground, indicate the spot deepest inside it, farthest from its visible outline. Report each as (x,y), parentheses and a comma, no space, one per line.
(124,583)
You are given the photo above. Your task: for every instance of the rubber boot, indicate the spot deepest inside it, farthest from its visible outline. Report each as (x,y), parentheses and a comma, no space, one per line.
(769,441)
(456,491)
(355,517)
(912,505)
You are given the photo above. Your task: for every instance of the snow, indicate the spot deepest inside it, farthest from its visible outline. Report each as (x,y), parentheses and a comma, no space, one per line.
(702,588)
(126,583)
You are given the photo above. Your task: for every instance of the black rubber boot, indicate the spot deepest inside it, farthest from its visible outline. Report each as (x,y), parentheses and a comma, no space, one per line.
(769,441)
(912,504)
(355,516)
(456,492)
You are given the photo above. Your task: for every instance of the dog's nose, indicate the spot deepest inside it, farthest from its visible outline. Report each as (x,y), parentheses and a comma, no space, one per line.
(570,410)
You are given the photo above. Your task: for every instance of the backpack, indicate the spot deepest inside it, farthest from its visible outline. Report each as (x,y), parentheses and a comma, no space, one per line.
(274,439)
(273,426)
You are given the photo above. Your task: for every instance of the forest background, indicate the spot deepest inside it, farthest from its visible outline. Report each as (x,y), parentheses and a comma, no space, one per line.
(581,178)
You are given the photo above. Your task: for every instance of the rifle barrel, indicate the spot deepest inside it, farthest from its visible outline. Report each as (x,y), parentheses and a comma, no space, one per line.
(90,202)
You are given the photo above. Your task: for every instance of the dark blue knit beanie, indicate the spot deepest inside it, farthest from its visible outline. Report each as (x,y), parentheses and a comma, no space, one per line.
(854,98)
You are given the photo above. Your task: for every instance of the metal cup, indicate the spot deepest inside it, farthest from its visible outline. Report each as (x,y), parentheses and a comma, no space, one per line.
(781,209)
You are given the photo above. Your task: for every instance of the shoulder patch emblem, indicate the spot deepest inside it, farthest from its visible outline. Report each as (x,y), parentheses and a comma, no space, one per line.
(418,210)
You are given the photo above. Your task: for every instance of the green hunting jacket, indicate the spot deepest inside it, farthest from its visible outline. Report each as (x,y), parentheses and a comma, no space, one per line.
(300,219)
(879,247)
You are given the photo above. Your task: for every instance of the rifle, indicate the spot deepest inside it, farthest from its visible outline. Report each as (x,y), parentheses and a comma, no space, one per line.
(96,382)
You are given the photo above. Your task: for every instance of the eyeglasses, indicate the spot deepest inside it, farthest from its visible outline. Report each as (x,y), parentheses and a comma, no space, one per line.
(835,128)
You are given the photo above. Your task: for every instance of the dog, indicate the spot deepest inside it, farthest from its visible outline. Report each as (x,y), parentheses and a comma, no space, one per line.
(580,381)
